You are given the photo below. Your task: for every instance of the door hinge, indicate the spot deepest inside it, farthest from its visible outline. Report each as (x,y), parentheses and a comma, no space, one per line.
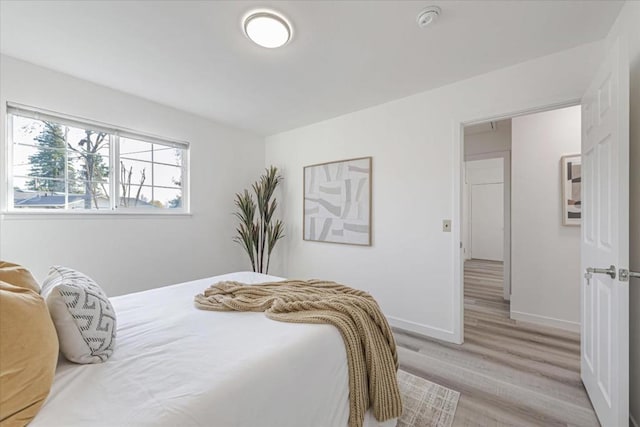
(625,274)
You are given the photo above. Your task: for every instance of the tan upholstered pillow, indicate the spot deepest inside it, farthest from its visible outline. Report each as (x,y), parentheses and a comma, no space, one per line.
(17,275)
(28,354)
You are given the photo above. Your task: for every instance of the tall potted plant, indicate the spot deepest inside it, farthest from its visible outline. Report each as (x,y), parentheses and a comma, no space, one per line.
(258,231)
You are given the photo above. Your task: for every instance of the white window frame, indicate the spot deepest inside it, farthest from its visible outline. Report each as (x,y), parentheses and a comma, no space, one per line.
(115,133)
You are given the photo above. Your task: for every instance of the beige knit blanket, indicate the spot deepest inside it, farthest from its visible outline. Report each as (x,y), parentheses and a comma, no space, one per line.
(371,348)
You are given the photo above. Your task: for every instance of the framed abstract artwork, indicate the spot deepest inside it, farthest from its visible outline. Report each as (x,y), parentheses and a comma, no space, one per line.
(337,202)
(571,190)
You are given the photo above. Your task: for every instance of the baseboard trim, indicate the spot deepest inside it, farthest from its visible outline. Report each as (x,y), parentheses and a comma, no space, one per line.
(546,321)
(633,420)
(421,329)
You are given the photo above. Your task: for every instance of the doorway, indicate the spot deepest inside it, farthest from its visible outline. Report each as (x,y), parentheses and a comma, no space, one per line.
(521,275)
(523,233)
(604,311)
(486,196)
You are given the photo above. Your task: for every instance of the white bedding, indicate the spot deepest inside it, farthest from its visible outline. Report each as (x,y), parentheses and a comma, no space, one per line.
(175,365)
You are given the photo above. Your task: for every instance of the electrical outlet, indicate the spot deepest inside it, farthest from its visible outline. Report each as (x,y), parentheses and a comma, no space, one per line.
(446,225)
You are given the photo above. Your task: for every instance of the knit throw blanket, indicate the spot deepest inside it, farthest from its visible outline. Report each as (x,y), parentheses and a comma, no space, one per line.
(371,348)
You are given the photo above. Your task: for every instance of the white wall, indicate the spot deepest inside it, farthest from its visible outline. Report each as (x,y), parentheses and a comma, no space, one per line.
(545,255)
(127,254)
(415,144)
(627,26)
(483,143)
(485,171)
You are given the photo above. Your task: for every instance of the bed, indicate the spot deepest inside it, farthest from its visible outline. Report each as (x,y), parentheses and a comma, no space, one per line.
(175,365)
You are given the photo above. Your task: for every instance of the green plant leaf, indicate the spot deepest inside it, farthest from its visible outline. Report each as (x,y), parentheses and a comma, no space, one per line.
(255,231)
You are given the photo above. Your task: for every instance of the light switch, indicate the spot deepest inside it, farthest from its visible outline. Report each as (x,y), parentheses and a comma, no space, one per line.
(446,225)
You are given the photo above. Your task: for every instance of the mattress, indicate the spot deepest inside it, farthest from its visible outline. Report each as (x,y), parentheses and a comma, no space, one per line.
(175,365)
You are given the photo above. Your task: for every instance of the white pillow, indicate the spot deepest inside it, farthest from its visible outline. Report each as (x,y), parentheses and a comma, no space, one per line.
(82,314)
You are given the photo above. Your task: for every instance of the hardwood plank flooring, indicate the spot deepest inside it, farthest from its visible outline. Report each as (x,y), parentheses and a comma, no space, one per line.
(508,373)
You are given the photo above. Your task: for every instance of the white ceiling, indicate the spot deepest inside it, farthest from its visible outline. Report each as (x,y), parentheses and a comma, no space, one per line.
(345,55)
(491,126)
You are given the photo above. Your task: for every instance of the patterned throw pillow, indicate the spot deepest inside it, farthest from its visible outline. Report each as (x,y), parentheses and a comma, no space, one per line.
(83,315)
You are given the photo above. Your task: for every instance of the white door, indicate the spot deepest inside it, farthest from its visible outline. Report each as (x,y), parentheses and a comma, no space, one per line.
(605,239)
(487,221)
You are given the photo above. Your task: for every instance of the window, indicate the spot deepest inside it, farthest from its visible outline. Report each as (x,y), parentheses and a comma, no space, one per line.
(150,173)
(58,163)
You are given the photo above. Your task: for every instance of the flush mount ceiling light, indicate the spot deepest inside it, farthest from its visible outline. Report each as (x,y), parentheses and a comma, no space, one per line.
(267,28)
(428,15)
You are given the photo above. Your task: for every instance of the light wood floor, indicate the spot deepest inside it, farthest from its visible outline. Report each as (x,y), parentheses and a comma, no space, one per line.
(508,373)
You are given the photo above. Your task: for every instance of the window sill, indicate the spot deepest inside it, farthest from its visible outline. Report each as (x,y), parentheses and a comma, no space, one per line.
(32,215)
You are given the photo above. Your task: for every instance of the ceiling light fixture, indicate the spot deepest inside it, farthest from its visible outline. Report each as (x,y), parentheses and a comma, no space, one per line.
(267,28)
(428,15)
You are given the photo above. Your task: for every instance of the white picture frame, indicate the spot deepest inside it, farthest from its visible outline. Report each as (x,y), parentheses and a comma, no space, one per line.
(337,202)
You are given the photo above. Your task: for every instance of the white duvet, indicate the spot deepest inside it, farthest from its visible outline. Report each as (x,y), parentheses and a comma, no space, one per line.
(175,365)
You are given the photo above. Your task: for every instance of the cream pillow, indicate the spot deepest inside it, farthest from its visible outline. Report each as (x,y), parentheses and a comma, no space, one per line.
(28,354)
(17,275)
(83,315)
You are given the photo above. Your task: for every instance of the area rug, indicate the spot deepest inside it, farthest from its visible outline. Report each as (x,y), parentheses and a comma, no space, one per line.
(425,404)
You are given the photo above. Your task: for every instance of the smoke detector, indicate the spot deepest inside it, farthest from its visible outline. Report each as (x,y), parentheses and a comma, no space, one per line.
(428,15)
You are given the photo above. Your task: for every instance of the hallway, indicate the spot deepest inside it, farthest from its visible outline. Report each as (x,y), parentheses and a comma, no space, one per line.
(508,373)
